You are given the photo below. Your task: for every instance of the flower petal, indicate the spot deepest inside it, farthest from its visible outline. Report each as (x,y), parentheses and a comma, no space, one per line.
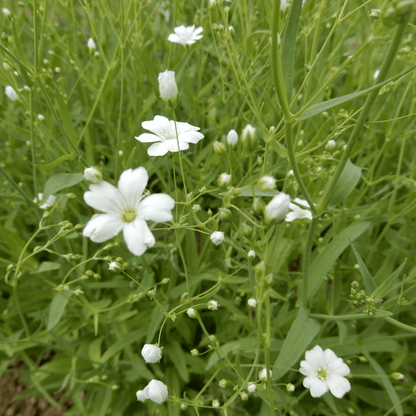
(338,385)
(148,138)
(191,136)
(317,387)
(174,38)
(157,208)
(306,369)
(339,368)
(159,125)
(104,197)
(198,30)
(291,216)
(315,357)
(102,227)
(131,185)
(138,237)
(172,145)
(157,149)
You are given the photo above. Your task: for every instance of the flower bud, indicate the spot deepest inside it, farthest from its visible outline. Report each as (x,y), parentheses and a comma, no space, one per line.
(168,88)
(183,406)
(6,11)
(93,175)
(263,374)
(260,269)
(91,44)
(141,396)
(244,396)
(224,214)
(267,183)
(252,302)
(219,148)
(251,387)
(11,93)
(114,267)
(223,383)
(194,352)
(151,353)
(6,66)
(212,305)
(232,138)
(246,230)
(258,206)
(217,237)
(290,387)
(248,138)
(277,207)
(191,313)
(156,391)
(330,145)
(215,403)
(41,117)
(224,180)
(397,376)
(251,255)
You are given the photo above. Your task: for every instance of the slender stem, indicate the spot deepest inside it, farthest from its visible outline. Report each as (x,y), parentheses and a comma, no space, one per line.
(17,302)
(14,184)
(306,261)
(355,134)
(32,143)
(35,37)
(400,324)
(267,354)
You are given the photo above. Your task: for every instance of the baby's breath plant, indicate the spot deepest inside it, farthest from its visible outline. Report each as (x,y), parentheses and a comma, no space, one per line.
(209,207)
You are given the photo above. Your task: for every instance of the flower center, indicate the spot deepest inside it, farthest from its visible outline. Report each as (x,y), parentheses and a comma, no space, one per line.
(129,215)
(322,373)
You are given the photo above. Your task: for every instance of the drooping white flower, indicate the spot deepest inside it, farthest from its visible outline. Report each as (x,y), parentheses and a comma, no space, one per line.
(251,387)
(6,11)
(217,237)
(263,374)
(168,88)
(191,313)
(267,183)
(232,138)
(297,212)
(252,302)
(323,371)
(11,93)
(48,203)
(212,305)
(126,209)
(151,353)
(91,44)
(93,175)
(277,207)
(164,133)
(185,35)
(156,391)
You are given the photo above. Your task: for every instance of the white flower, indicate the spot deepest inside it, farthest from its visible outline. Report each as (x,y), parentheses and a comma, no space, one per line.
(91,44)
(232,138)
(217,237)
(114,266)
(185,35)
(376,74)
(267,183)
(298,212)
(252,302)
(215,403)
(277,207)
(11,93)
(251,387)
(323,371)
(93,175)
(41,117)
(224,180)
(49,202)
(141,396)
(156,391)
(164,132)
(330,144)
(151,353)
(212,305)
(251,254)
(263,374)
(126,209)
(6,11)
(191,313)
(168,88)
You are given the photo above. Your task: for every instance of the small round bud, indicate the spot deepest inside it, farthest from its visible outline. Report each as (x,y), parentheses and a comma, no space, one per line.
(397,376)
(191,313)
(219,148)
(114,267)
(11,93)
(223,383)
(183,406)
(251,387)
(212,305)
(248,138)
(41,117)
(232,138)
(151,353)
(93,175)
(252,302)
(267,183)
(263,374)
(91,44)
(290,387)
(194,352)
(217,237)
(246,230)
(251,255)
(244,395)
(330,145)
(224,214)
(224,180)
(215,403)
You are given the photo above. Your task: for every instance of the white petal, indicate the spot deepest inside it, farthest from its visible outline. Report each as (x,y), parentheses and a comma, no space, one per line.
(317,387)
(102,227)
(291,216)
(138,236)
(131,185)
(198,30)
(315,357)
(157,208)
(185,127)
(329,356)
(174,38)
(159,125)
(191,136)
(302,202)
(157,149)
(172,145)
(339,368)
(338,385)
(104,197)
(306,369)
(148,138)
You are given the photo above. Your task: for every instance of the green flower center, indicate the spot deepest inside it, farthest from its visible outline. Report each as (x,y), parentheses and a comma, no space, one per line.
(322,373)
(129,215)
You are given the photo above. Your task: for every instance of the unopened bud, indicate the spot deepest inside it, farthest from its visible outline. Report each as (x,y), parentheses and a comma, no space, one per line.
(168,88)
(93,175)
(219,148)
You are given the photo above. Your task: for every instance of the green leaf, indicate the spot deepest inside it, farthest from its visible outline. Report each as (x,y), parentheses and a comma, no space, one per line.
(324,261)
(57,308)
(369,283)
(288,46)
(384,288)
(47,266)
(385,380)
(301,334)
(60,181)
(65,117)
(177,356)
(347,182)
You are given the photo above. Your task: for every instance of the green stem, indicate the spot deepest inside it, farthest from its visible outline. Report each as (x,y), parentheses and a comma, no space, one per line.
(355,134)
(267,355)
(306,261)
(32,143)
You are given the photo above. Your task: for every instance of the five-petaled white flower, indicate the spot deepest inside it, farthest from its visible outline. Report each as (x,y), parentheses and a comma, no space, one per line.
(126,209)
(298,212)
(151,353)
(323,371)
(11,93)
(167,136)
(185,35)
